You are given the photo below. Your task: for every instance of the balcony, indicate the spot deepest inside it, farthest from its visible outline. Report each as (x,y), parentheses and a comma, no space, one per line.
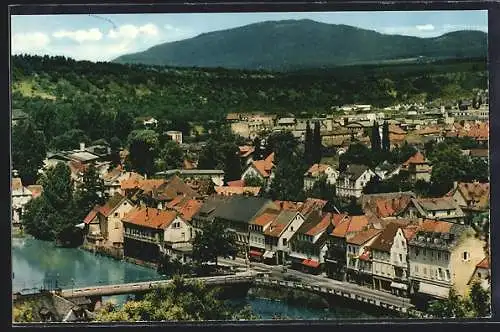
(142,238)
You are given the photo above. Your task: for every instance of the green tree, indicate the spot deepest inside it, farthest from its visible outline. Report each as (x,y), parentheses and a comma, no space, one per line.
(212,242)
(90,192)
(480,300)
(308,145)
(69,140)
(322,189)
(232,162)
(316,144)
(452,307)
(178,301)
(28,151)
(115,147)
(143,148)
(375,138)
(172,156)
(357,153)
(288,182)
(24,313)
(253,181)
(123,124)
(386,142)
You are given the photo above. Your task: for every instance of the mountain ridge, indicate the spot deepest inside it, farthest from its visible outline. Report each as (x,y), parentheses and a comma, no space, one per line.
(296,44)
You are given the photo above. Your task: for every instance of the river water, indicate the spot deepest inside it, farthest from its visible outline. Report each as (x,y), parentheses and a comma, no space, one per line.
(39,264)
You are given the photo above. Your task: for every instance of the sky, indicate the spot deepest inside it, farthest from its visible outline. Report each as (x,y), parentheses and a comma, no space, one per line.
(104,37)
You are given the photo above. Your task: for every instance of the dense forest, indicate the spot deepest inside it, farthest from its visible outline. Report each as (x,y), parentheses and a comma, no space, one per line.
(291,44)
(87,96)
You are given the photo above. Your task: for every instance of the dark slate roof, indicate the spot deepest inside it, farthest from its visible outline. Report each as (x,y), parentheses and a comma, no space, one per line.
(439,235)
(207,210)
(354,171)
(241,208)
(311,221)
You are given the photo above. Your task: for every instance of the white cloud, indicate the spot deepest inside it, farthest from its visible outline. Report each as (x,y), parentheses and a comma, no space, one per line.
(80,35)
(455,27)
(30,42)
(425,27)
(130,31)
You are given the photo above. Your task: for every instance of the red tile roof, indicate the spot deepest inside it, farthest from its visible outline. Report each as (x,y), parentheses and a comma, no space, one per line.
(265,218)
(92,214)
(484,264)
(338,218)
(351,225)
(410,231)
(317,169)
(246,150)
(150,218)
(364,236)
(312,204)
(393,129)
(435,226)
(417,158)
(36,190)
(265,166)
(321,226)
(236,183)
(288,205)
(111,204)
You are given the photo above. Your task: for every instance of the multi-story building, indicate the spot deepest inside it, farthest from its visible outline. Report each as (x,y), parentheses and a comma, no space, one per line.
(278,234)
(482,274)
(262,169)
(471,197)
(257,243)
(335,257)
(358,256)
(353,180)
(20,197)
(442,208)
(309,243)
(443,255)
(316,171)
(238,212)
(389,257)
(418,167)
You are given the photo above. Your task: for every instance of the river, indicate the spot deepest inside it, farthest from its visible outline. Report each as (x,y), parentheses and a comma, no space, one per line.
(38,264)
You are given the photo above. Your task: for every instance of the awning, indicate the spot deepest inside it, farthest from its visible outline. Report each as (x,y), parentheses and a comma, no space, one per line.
(434,290)
(310,263)
(399,285)
(269,254)
(255,253)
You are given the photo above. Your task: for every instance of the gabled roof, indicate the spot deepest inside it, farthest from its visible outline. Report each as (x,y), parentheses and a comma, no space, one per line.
(209,207)
(484,264)
(266,217)
(417,158)
(477,195)
(111,204)
(385,240)
(354,171)
(312,204)
(236,183)
(16,184)
(168,190)
(386,204)
(280,223)
(363,236)
(350,225)
(393,129)
(439,234)
(317,170)
(150,217)
(241,208)
(185,206)
(436,204)
(264,166)
(410,231)
(91,215)
(316,224)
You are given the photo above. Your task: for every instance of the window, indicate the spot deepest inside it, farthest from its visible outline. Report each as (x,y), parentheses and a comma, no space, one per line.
(479,274)
(448,275)
(425,271)
(416,268)
(440,273)
(400,257)
(291,228)
(402,243)
(416,251)
(116,214)
(117,224)
(438,255)
(466,256)
(284,242)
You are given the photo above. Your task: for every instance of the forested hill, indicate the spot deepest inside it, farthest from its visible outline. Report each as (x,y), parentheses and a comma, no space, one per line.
(61,94)
(298,44)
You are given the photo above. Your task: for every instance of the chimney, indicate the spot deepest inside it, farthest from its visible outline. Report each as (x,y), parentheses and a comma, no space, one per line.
(146,212)
(455,184)
(82,146)
(281,205)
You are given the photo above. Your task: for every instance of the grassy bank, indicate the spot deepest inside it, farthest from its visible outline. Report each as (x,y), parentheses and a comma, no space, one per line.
(289,296)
